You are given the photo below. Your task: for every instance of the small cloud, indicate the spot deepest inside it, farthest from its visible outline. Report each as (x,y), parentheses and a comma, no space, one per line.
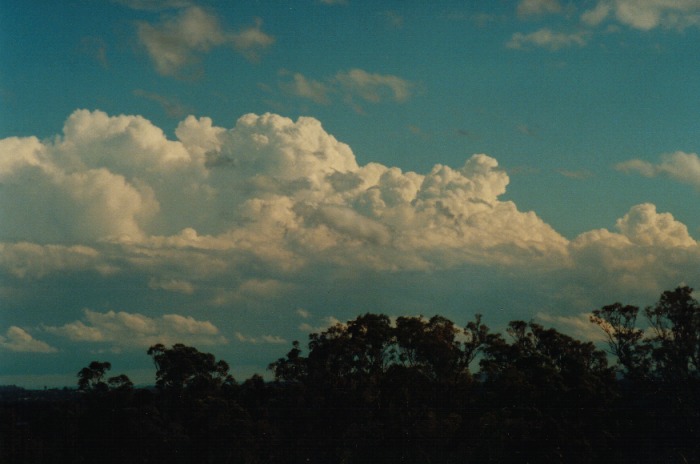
(596,15)
(172,107)
(266,339)
(679,166)
(20,341)
(578,326)
(374,87)
(528,8)
(172,285)
(178,41)
(307,88)
(526,130)
(326,323)
(548,39)
(333,2)
(304,314)
(122,330)
(252,41)
(352,84)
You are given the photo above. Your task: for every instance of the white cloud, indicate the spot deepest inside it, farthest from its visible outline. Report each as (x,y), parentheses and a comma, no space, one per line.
(680,166)
(303,87)
(652,251)
(24,259)
(596,15)
(270,339)
(172,285)
(646,14)
(124,330)
(252,41)
(177,41)
(272,208)
(546,38)
(645,227)
(352,85)
(538,7)
(578,326)
(20,341)
(373,87)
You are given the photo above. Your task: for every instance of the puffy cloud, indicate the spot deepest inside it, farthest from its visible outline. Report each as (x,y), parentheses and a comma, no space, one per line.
(176,42)
(123,330)
(642,225)
(596,15)
(372,87)
(273,211)
(251,41)
(680,166)
(646,14)
(24,259)
(652,251)
(269,192)
(19,340)
(538,7)
(303,87)
(546,38)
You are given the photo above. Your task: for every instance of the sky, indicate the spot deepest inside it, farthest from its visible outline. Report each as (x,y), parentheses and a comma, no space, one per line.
(236,175)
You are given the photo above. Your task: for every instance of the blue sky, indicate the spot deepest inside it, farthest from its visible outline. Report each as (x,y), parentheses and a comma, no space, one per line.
(236,174)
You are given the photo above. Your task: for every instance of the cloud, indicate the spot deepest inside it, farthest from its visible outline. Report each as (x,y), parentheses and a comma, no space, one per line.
(172,285)
(252,41)
(372,87)
(679,166)
(646,14)
(538,7)
(546,38)
(19,340)
(31,260)
(178,41)
(596,15)
(124,330)
(172,107)
(352,85)
(154,5)
(649,14)
(274,214)
(270,339)
(650,251)
(578,326)
(303,87)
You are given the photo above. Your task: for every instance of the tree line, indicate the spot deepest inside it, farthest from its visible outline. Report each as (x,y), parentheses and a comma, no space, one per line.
(412,390)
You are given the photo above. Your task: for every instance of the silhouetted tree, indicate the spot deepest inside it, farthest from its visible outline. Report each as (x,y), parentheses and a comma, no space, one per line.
(90,378)
(184,368)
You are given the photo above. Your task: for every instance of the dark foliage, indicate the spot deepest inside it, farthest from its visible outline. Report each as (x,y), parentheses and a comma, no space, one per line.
(415,390)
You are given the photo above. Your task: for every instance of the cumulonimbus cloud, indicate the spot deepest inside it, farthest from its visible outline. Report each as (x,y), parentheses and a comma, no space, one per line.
(248,213)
